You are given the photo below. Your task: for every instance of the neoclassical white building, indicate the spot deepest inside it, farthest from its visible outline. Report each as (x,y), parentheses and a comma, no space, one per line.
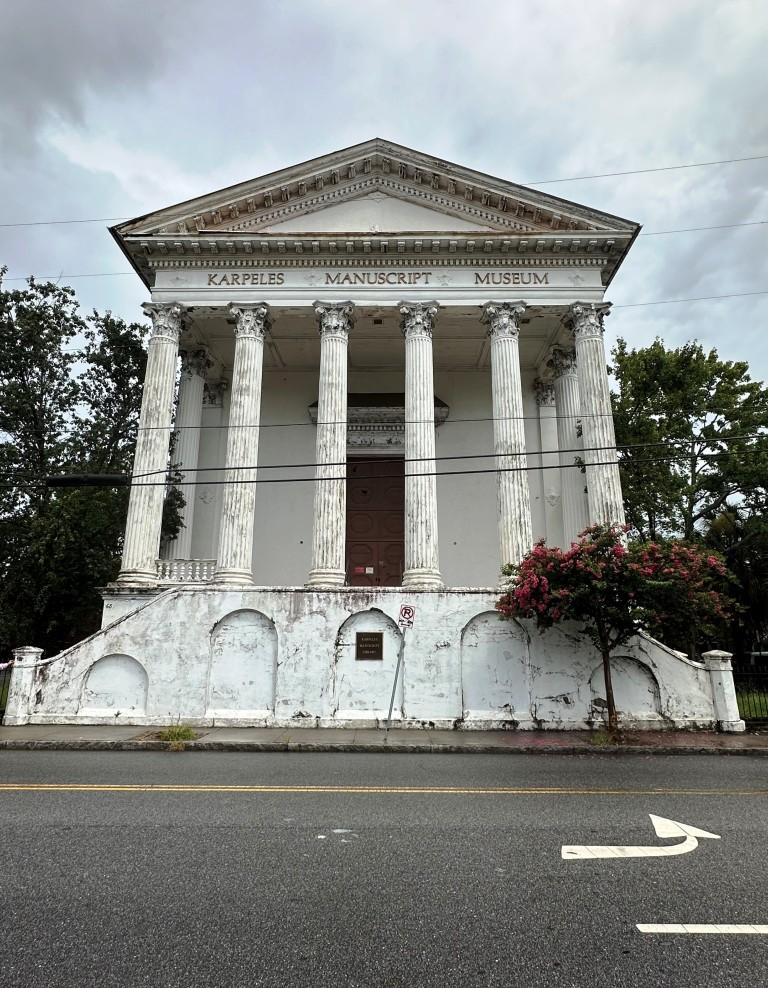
(391,380)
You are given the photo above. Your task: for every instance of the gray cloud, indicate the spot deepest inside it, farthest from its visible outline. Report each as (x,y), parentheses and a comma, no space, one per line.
(113,109)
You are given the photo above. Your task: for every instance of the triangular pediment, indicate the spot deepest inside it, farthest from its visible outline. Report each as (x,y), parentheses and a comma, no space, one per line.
(377,212)
(375,187)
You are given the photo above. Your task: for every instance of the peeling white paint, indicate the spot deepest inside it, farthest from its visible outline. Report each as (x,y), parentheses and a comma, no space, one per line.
(285,657)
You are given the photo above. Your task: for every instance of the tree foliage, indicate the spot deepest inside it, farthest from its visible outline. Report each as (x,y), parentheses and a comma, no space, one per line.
(615,590)
(709,420)
(70,394)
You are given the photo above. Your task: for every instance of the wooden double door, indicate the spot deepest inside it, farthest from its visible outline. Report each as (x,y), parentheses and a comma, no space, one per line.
(375,522)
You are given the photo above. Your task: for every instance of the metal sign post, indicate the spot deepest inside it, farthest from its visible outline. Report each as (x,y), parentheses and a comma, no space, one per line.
(405,620)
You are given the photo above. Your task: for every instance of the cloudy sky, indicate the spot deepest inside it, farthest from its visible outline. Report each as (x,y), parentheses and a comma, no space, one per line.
(113,109)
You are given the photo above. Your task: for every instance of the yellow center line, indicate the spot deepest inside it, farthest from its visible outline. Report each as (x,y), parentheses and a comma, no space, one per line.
(367,790)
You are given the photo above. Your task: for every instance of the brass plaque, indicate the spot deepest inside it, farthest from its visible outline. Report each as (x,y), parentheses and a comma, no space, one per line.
(369,645)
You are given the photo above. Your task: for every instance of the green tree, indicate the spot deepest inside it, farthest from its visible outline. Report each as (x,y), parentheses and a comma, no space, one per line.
(616,590)
(742,539)
(709,419)
(70,395)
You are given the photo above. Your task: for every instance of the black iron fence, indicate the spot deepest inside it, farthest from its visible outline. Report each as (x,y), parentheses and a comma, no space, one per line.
(752,694)
(5,683)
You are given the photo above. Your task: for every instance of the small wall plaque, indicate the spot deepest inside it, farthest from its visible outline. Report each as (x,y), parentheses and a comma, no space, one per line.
(369,645)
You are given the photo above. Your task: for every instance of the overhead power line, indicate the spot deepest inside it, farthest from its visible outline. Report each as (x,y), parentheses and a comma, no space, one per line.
(576,450)
(548,181)
(123,481)
(646,171)
(645,233)
(115,274)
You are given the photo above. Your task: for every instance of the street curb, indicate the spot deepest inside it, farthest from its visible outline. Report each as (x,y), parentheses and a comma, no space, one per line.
(417,748)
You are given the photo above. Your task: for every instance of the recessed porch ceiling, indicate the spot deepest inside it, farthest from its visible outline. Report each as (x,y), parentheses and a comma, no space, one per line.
(376,341)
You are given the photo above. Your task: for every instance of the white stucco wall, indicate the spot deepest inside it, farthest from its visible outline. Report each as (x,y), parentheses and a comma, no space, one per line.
(286,657)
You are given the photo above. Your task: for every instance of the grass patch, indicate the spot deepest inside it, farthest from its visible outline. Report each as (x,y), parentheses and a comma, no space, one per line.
(604,739)
(176,735)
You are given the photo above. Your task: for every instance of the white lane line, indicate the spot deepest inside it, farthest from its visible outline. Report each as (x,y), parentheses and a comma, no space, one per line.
(759,928)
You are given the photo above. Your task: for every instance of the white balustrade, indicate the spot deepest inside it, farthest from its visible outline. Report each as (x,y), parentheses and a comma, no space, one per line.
(185,570)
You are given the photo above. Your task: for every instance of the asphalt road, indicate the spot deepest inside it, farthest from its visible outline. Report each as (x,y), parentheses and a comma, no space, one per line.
(336,876)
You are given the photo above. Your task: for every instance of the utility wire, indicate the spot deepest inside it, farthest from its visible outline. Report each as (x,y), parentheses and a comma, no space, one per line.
(119,274)
(646,171)
(125,480)
(578,450)
(548,181)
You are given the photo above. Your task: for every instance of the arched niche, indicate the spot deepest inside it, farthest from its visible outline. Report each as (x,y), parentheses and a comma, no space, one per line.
(115,684)
(494,668)
(364,685)
(243,666)
(635,690)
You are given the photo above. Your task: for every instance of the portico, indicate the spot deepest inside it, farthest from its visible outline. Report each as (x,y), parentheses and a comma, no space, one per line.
(408,431)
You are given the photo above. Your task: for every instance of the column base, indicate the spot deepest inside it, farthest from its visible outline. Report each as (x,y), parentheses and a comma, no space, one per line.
(422,579)
(326,578)
(136,577)
(233,577)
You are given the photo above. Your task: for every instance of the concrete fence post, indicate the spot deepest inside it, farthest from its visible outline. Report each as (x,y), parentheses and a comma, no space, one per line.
(726,706)
(22,687)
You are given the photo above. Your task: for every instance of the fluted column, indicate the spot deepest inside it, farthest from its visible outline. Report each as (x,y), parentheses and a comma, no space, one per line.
(563,363)
(235,551)
(330,517)
(604,499)
(189,413)
(150,463)
(550,461)
(512,492)
(422,560)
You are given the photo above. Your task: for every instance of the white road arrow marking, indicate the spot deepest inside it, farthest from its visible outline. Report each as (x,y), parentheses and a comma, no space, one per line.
(663,828)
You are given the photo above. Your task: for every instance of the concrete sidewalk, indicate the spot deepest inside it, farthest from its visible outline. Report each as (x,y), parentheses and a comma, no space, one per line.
(96,738)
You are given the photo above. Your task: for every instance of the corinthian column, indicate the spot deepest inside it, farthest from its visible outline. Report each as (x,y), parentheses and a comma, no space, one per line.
(235,553)
(604,498)
(563,364)
(512,493)
(330,518)
(422,563)
(189,411)
(150,462)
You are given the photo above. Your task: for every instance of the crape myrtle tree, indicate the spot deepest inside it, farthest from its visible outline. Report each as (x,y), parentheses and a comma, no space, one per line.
(615,589)
(70,395)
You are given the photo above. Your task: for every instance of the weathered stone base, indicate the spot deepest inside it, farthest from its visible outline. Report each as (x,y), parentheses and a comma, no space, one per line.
(285,657)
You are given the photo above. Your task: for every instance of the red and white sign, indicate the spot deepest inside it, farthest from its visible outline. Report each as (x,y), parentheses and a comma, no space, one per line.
(407,616)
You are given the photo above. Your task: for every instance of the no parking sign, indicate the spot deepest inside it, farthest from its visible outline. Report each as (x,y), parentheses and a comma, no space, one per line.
(407,616)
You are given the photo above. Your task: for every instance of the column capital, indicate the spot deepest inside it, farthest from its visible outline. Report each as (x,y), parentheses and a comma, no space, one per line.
(334,318)
(418,318)
(545,392)
(585,319)
(251,318)
(502,318)
(167,320)
(195,362)
(562,361)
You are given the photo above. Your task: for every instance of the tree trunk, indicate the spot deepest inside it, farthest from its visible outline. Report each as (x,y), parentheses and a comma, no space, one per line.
(613,720)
